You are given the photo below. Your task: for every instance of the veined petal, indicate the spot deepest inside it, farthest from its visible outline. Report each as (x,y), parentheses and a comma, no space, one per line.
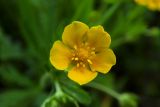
(60,55)
(81,75)
(98,38)
(73,33)
(103,61)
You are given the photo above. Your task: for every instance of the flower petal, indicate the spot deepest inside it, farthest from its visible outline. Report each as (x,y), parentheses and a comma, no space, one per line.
(142,2)
(98,38)
(81,75)
(73,33)
(60,55)
(153,5)
(103,61)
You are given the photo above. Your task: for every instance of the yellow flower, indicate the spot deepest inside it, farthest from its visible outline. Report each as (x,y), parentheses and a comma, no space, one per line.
(83,52)
(151,4)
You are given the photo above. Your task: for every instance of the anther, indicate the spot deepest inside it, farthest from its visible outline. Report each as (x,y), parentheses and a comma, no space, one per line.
(93,48)
(88,47)
(73,55)
(76,59)
(75,46)
(89,61)
(83,65)
(92,52)
(77,64)
(73,58)
(86,44)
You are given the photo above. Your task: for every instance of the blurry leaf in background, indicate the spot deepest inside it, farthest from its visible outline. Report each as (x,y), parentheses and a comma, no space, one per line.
(17,98)
(9,76)
(8,49)
(37,29)
(108,14)
(83,10)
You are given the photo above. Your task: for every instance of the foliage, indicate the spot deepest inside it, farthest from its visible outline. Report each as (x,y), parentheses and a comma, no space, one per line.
(28,29)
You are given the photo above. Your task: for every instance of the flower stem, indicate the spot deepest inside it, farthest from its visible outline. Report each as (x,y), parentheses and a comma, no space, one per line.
(104,89)
(58,87)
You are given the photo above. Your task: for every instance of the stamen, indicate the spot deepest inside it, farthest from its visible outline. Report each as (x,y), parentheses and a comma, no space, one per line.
(89,61)
(73,54)
(76,59)
(83,65)
(86,44)
(93,49)
(82,53)
(88,47)
(75,46)
(92,52)
(73,58)
(77,64)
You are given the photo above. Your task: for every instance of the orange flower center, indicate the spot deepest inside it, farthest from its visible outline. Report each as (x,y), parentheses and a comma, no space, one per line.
(82,55)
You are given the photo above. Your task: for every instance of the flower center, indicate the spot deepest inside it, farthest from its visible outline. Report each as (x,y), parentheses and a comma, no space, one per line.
(82,54)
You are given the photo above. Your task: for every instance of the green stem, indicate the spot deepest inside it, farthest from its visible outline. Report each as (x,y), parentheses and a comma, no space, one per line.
(104,89)
(58,87)
(59,92)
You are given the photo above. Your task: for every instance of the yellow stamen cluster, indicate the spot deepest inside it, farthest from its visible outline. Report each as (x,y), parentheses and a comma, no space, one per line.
(82,55)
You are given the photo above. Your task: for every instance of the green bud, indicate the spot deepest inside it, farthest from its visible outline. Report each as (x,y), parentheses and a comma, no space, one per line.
(128,100)
(155,31)
(50,102)
(59,99)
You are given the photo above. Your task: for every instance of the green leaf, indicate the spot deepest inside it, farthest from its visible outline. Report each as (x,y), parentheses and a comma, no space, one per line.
(76,92)
(83,9)
(10,75)
(107,15)
(136,30)
(112,1)
(8,50)
(17,98)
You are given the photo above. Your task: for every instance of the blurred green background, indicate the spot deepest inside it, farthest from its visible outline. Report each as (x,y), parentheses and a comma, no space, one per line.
(28,29)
